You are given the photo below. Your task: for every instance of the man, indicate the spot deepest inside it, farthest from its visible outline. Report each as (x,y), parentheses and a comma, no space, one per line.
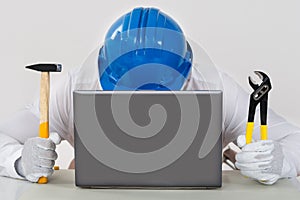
(146,50)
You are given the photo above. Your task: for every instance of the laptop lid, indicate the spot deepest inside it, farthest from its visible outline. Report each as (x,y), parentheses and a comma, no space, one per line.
(148,138)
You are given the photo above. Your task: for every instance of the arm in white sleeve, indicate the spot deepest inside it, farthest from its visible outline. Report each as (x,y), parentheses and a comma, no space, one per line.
(25,124)
(236,103)
(13,134)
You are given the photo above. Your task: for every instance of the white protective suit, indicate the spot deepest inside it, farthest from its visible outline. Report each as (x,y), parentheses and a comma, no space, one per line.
(16,130)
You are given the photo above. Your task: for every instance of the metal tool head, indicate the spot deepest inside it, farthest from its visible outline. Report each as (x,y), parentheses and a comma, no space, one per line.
(44,67)
(262,76)
(262,89)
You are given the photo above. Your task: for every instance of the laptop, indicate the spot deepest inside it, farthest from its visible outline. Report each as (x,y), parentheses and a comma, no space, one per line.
(148,139)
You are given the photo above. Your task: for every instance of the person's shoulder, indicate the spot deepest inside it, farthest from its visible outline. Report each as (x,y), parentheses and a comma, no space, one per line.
(199,79)
(84,78)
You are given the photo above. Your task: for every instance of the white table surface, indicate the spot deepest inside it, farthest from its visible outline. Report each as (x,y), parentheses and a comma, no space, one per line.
(61,186)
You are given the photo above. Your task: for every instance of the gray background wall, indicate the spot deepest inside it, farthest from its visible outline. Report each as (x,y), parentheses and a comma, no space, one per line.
(239,35)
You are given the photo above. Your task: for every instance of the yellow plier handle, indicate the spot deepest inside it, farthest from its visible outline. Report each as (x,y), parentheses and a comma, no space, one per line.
(263,132)
(249,131)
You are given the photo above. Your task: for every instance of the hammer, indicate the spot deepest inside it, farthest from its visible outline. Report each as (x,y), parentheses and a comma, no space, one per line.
(45,70)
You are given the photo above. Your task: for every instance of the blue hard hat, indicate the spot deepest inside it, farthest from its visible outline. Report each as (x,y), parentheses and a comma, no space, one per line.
(144,49)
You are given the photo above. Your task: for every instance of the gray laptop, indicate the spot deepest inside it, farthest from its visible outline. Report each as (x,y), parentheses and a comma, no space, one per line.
(148,139)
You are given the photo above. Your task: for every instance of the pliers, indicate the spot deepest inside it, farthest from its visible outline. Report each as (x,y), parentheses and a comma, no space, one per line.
(260,95)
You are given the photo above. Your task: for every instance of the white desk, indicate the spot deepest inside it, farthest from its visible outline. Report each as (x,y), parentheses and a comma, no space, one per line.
(61,186)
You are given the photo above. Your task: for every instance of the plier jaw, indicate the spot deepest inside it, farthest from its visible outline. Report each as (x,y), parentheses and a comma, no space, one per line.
(258,96)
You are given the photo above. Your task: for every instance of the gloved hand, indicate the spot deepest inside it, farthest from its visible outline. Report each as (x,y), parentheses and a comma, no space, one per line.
(263,161)
(38,157)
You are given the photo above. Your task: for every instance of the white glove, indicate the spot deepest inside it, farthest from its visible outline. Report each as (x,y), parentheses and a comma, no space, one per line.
(263,161)
(38,157)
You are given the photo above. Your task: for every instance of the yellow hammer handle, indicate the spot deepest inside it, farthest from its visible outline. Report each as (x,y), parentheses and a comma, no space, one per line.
(44,130)
(44,112)
(249,131)
(263,132)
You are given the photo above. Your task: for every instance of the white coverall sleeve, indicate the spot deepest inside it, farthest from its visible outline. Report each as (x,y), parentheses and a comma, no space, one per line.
(236,102)
(25,124)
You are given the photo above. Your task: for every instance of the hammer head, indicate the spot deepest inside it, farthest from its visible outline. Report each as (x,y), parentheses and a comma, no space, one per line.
(44,67)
